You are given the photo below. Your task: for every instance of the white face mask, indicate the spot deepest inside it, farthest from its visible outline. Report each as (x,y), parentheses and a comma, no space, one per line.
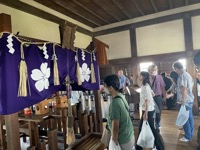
(154,73)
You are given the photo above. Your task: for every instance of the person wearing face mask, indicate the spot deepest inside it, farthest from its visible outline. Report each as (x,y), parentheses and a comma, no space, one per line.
(119,121)
(158,86)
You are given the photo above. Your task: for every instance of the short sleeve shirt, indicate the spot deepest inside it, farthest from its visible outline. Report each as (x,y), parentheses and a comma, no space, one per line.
(118,110)
(146,93)
(158,85)
(185,80)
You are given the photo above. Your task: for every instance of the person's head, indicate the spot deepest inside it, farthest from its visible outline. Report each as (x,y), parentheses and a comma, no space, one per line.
(144,77)
(120,73)
(163,74)
(112,83)
(177,66)
(174,76)
(153,70)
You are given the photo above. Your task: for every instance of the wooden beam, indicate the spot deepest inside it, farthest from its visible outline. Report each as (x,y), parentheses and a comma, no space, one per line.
(170,3)
(154,6)
(40,13)
(117,3)
(101,5)
(186,2)
(148,22)
(66,6)
(138,8)
(81,5)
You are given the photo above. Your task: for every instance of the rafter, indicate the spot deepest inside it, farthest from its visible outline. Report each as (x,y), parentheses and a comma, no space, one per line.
(81,5)
(66,6)
(154,6)
(170,4)
(117,3)
(186,2)
(100,4)
(138,8)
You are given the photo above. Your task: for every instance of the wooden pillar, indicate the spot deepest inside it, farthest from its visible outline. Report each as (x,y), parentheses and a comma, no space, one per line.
(192,72)
(133,42)
(5,23)
(2,134)
(97,98)
(52,139)
(12,124)
(12,132)
(187,24)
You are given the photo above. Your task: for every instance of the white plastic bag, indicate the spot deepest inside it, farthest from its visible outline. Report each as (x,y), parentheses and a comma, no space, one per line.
(146,138)
(183,116)
(113,146)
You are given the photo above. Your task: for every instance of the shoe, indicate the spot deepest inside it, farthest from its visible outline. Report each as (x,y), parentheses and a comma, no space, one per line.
(183,139)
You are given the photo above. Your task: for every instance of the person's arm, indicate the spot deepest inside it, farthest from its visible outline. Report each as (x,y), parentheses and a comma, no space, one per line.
(145,116)
(163,88)
(184,94)
(115,131)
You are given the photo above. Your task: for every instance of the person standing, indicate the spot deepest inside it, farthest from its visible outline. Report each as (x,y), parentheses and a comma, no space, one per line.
(147,107)
(185,97)
(168,83)
(122,80)
(119,121)
(158,86)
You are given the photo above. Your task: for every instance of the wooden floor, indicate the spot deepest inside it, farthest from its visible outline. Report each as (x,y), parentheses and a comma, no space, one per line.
(171,133)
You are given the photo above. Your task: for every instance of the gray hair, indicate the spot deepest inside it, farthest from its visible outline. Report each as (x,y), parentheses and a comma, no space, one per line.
(151,67)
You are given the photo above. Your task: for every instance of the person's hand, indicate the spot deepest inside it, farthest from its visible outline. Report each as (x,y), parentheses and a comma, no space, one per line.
(115,141)
(145,116)
(182,102)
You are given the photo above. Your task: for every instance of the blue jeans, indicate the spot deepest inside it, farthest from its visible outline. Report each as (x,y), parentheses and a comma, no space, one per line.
(189,125)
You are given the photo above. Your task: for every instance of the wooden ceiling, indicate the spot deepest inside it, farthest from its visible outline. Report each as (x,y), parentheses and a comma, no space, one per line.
(96,13)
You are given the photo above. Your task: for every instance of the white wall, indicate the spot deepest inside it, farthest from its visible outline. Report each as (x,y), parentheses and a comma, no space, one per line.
(160,38)
(82,40)
(119,44)
(196,32)
(35,27)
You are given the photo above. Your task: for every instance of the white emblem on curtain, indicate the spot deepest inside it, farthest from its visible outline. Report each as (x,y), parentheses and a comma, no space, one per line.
(10,44)
(85,72)
(41,77)
(83,55)
(44,48)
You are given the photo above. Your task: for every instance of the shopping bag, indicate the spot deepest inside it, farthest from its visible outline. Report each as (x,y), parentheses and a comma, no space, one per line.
(182,117)
(113,146)
(105,138)
(146,138)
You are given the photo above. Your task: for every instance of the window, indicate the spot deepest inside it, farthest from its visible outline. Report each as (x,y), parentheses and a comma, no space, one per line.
(144,66)
(183,62)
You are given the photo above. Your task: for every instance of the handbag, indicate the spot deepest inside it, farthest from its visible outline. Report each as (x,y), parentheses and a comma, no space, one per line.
(105,138)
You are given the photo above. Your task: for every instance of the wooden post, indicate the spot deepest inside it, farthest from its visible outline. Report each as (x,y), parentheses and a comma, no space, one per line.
(12,124)
(97,98)
(2,134)
(12,132)
(41,145)
(192,72)
(33,133)
(5,23)
(52,139)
